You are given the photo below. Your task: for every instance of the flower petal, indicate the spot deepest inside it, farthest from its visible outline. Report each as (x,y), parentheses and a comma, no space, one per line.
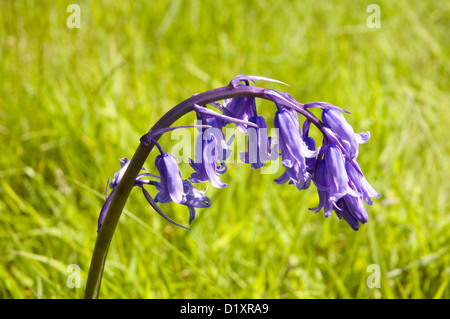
(170,176)
(361,183)
(337,123)
(193,197)
(356,208)
(362,137)
(286,121)
(191,214)
(284,178)
(346,215)
(336,171)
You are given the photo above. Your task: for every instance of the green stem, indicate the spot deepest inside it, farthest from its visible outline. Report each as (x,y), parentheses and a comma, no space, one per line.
(112,218)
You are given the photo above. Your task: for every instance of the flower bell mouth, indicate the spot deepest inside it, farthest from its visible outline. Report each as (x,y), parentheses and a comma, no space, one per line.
(332,166)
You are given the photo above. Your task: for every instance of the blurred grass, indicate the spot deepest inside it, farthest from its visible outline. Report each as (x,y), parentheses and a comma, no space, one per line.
(74,101)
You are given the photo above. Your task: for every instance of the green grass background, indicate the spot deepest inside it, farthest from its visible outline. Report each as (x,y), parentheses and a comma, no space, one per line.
(74,101)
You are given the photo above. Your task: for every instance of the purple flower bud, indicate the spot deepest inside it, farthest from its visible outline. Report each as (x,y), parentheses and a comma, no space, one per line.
(335,163)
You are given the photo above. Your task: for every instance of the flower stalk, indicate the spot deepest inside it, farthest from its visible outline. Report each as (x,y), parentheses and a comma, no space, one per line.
(298,159)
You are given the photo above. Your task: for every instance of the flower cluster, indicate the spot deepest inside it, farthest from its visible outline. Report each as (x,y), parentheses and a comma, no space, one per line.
(332,167)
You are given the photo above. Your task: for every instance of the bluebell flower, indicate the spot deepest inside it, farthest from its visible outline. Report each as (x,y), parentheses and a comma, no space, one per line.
(341,187)
(210,150)
(193,198)
(140,182)
(322,182)
(335,163)
(243,108)
(360,183)
(349,142)
(335,120)
(171,186)
(294,150)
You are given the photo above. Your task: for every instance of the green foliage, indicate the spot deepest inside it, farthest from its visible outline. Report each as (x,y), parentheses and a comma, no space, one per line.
(74,101)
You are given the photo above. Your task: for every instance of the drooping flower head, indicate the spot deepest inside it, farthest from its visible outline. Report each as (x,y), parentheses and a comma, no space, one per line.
(332,167)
